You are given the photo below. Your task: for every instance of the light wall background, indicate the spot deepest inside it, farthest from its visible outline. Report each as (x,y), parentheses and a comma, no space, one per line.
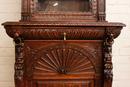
(116,10)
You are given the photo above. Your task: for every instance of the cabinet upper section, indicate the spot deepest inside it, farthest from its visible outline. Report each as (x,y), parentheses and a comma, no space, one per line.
(63,10)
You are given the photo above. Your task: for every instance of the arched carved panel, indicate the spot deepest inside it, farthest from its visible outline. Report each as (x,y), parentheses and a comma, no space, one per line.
(63,59)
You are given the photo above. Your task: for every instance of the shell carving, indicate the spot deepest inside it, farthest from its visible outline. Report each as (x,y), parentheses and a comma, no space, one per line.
(63,59)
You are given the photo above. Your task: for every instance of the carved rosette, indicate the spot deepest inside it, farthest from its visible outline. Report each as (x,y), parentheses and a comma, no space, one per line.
(19,61)
(108,73)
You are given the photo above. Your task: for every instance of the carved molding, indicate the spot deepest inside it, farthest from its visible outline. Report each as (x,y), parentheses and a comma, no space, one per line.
(55,31)
(82,17)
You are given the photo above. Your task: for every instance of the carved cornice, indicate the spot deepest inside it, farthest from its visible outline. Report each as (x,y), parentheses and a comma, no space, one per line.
(56,30)
(62,16)
(62,23)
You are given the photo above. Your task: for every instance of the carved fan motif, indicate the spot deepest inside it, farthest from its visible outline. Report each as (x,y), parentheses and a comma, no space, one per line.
(63,59)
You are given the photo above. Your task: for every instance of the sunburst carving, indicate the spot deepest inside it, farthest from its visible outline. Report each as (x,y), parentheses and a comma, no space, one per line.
(63,59)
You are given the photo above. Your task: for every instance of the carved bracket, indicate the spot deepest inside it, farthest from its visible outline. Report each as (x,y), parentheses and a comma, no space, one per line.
(109,39)
(19,61)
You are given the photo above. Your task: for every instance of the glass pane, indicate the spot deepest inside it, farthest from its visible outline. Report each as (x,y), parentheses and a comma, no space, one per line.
(63,5)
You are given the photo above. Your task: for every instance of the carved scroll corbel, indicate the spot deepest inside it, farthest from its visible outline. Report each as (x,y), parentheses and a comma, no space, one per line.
(108,66)
(19,60)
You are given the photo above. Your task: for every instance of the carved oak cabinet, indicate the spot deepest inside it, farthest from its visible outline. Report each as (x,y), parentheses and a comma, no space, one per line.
(63,43)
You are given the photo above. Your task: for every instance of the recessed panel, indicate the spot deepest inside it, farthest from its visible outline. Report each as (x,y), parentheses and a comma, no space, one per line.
(65,83)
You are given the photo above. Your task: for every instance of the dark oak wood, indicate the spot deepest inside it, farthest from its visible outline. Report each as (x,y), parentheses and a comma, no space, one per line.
(63,55)
(62,46)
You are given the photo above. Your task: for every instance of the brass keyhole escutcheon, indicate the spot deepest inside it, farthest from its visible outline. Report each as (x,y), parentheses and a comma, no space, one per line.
(64,35)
